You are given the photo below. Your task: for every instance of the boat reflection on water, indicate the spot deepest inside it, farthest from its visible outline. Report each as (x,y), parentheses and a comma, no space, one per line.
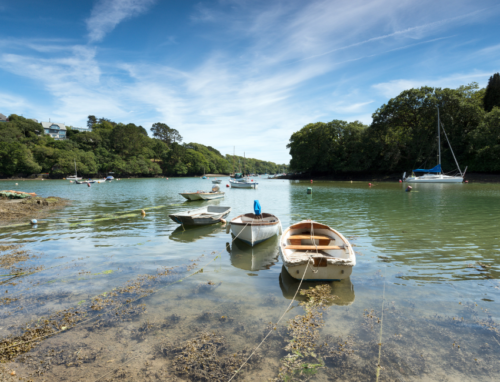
(190,234)
(259,257)
(344,290)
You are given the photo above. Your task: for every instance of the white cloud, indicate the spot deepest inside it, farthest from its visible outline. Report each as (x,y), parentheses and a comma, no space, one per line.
(392,88)
(107,14)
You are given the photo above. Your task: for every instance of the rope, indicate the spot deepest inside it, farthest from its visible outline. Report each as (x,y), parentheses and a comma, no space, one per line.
(283,315)
(381,327)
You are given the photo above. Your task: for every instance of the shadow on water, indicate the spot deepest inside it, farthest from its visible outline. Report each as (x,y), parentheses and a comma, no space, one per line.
(191,234)
(343,290)
(260,257)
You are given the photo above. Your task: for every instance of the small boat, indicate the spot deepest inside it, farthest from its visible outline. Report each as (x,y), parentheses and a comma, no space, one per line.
(85,181)
(329,254)
(216,181)
(201,216)
(109,178)
(254,228)
(203,195)
(244,183)
(74,177)
(435,174)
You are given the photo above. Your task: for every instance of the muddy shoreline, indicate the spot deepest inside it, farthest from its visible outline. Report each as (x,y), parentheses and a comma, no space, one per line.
(23,210)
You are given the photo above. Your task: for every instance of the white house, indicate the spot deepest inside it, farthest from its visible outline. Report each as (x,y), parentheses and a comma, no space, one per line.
(3,118)
(55,130)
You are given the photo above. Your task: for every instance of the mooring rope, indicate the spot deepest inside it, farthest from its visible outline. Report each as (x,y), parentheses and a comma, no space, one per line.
(283,315)
(381,328)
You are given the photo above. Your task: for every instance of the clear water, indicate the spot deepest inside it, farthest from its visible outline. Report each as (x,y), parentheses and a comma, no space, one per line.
(426,279)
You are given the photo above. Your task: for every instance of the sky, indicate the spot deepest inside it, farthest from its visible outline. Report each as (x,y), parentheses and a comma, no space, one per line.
(236,74)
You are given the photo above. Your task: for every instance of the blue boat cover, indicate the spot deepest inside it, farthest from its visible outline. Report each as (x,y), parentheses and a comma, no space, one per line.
(256,207)
(434,170)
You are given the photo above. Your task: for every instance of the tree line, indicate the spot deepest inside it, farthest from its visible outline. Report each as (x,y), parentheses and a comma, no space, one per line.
(125,149)
(403,134)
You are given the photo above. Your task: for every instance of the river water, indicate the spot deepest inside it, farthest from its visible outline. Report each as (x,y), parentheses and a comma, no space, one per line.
(421,304)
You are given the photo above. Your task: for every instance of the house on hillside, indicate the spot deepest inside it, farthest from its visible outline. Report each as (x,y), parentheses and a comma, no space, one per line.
(3,118)
(55,130)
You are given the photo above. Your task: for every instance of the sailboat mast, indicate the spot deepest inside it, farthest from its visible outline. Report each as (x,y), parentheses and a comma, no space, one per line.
(75,167)
(234,151)
(439,143)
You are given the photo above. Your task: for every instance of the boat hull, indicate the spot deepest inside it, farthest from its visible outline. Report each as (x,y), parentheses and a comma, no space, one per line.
(212,196)
(449,179)
(255,230)
(333,261)
(243,184)
(201,218)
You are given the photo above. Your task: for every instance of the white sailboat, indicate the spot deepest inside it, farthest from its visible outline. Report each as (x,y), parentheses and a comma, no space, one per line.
(435,174)
(74,177)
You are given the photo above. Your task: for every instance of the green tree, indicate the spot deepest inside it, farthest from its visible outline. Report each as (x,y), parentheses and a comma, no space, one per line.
(15,158)
(165,133)
(492,94)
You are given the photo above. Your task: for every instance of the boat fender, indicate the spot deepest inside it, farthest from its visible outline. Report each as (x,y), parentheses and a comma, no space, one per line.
(88,184)
(408,189)
(228,227)
(143,213)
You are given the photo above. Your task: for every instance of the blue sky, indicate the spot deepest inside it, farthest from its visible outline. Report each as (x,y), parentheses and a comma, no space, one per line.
(235,72)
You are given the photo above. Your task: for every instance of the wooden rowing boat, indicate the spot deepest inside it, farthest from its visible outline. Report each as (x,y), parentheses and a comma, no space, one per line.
(328,252)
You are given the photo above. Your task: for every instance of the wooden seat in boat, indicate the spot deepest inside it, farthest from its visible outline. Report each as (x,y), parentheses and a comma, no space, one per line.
(313,247)
(297,239)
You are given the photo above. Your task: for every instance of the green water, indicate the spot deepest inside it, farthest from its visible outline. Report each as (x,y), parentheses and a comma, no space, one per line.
(426,278)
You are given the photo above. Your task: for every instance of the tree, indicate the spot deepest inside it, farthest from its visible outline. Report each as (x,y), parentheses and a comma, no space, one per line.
(91,121)
(492,95)
(165,133)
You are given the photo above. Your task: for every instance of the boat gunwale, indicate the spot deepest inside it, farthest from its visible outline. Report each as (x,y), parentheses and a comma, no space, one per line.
(255,222)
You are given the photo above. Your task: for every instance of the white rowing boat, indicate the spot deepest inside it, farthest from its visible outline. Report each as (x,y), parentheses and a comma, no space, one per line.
(243,183)
(203,195)
(329,254)
(201,216)
(254,229)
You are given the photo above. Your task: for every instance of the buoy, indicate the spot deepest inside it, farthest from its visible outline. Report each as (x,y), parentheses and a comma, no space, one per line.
(408,189)
(143,213)
(311,180)
(16,184)
(351,181)
(309,190)
(466,181)
(34,221)
(400,181)
(88,184)
(369,184)
(227,185)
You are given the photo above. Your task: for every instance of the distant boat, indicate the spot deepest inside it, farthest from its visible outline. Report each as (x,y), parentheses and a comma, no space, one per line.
(204,195)
(74,177)
(85,181)
(435,174)
(243,183)
(201,216)
(109,178)
(216,181)
(316,250)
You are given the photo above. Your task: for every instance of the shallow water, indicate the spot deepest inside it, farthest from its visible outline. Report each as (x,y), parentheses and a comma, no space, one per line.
(426,280)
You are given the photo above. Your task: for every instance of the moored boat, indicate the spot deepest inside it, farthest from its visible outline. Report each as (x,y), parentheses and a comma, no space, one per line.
(328,252)
(254,228)
(203,195)
(244,183)
(201,216)
(216,181)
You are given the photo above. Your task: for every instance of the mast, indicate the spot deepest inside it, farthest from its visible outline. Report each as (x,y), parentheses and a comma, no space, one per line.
(234,150)
(244,162)
(75,167)
(439,143)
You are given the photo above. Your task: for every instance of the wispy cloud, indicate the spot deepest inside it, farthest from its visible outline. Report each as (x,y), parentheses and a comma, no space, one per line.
(393,88)
(107,14)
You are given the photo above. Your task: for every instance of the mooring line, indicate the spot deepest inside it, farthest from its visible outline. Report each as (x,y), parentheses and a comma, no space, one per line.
(381,329)
(283,315)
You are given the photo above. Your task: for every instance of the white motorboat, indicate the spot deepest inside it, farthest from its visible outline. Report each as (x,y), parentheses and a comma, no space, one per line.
(435,174)
(243,183)
(254,229)
(316,250)
(201,216)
